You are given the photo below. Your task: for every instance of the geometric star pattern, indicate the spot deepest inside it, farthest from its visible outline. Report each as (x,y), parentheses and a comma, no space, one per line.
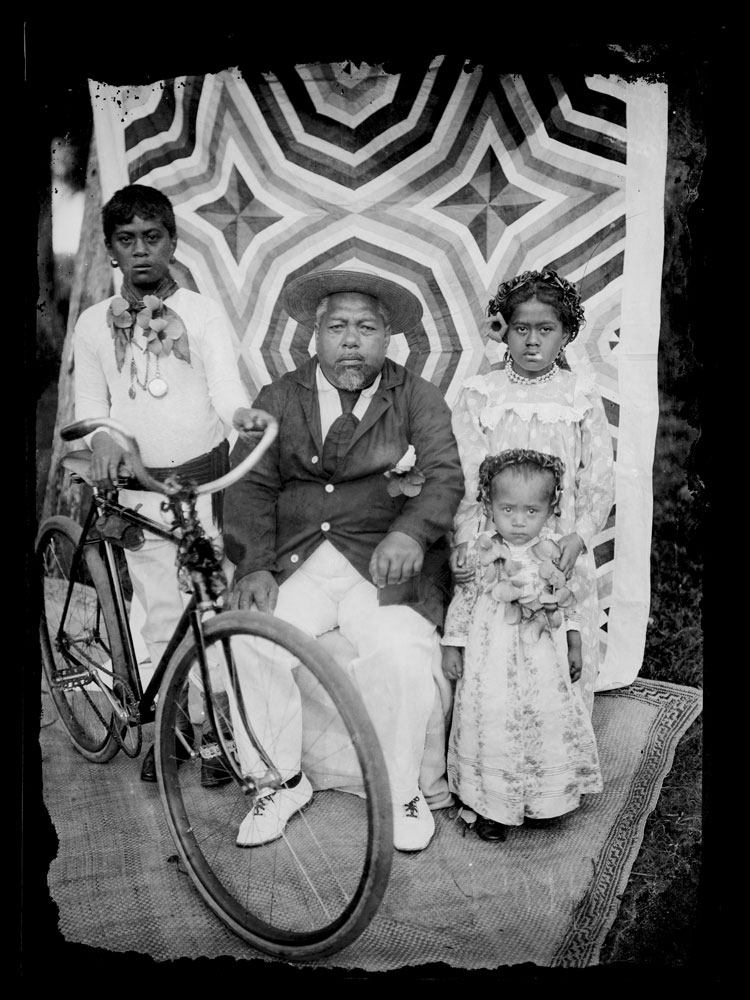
(488,204)
(445,179)
(238,214)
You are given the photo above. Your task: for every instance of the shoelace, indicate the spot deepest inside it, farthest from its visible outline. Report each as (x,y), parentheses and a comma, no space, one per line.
(260,805)
(411,808)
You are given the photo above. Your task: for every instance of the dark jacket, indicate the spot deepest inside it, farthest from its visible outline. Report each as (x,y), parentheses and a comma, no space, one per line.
(281,511)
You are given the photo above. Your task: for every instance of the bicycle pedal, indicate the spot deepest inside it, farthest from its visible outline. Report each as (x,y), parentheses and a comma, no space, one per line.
(211,750)
(65,679)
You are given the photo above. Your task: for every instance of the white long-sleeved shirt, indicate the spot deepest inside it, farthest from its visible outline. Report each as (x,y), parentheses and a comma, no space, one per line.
(195,414)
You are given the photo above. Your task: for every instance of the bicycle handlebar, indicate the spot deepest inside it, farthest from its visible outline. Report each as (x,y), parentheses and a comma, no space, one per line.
(81,428)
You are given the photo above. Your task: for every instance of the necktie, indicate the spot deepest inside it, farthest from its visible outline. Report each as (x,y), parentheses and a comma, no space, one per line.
(340,432)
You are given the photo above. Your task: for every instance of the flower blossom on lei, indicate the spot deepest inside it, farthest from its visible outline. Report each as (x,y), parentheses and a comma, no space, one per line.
(405,477)
(164,330)
(532,596)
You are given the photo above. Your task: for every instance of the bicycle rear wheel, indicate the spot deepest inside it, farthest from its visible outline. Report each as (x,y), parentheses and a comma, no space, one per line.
(82,652)
(314,889)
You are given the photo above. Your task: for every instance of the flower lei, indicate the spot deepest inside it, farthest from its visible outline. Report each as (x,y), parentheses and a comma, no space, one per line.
(535,608)
(164,330)
(405,477)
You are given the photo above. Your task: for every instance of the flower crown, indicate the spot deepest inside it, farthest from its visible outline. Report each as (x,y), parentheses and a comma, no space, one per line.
(492,465)
(571,297)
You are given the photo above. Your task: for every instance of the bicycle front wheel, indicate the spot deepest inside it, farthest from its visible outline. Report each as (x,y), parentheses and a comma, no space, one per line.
(82,652)
(315,888)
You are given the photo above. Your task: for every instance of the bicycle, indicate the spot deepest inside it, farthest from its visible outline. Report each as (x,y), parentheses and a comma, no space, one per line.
(314,890)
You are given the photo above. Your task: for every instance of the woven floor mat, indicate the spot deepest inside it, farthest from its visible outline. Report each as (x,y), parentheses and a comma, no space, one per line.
(546,896)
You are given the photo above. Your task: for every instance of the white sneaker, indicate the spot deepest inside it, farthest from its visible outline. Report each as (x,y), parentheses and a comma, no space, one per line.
(268,817)
(413,825)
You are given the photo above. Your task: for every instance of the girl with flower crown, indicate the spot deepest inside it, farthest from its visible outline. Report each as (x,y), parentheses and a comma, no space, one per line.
(534,400)
(521,744)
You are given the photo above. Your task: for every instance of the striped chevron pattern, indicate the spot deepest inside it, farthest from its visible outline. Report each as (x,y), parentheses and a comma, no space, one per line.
(446,180)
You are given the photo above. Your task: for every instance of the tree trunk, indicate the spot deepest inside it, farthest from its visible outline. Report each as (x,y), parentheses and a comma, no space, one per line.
(92,282)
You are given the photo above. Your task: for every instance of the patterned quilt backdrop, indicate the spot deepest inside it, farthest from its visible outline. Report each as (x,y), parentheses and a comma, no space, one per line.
(448,181)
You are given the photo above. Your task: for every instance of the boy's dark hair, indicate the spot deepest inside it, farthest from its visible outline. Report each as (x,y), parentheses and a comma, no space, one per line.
(526,463)
(137,199)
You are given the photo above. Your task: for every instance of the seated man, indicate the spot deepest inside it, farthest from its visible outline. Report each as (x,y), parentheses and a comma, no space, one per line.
(318,539)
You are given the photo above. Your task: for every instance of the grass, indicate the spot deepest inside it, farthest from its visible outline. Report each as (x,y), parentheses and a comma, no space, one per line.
(659,917)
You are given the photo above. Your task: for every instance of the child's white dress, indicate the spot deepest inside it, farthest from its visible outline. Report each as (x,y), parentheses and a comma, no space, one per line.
(521,741)
(563,417)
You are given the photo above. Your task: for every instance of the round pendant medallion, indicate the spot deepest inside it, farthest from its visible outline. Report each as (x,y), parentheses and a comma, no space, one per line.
(158,387)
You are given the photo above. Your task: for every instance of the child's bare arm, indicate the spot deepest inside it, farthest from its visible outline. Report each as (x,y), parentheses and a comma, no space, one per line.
(571,546)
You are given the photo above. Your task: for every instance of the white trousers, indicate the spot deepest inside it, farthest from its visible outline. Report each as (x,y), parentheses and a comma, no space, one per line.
(153,574)
(392,669)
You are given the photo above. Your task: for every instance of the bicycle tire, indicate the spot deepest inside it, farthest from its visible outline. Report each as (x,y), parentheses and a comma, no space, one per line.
(91,638)
(262,893)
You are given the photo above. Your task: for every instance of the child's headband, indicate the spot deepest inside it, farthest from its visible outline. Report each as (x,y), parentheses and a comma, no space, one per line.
(571,297)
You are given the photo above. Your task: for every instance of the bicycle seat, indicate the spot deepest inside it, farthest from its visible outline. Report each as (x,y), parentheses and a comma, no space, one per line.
(78,463)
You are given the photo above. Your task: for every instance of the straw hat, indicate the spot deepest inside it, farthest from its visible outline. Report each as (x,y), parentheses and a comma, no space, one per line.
(302,296)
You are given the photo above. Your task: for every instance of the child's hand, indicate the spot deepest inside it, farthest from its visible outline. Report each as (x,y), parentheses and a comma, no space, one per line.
(571,547)
(461,567)
(575,659)
(453,662)
(108,460)
(250,424)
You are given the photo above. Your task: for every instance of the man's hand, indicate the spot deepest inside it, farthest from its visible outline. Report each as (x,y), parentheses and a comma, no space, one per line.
(257,590)
(571,547)
(452,662)
(461,567)
(397,558)
(250,424)
(107,456)
(575,659)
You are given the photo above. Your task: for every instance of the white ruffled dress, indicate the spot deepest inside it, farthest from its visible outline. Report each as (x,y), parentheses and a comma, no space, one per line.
(563,417)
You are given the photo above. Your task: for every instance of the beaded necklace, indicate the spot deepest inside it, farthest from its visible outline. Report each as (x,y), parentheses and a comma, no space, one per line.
(517,379)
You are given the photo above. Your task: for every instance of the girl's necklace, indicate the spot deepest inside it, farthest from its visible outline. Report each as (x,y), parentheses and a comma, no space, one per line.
(517,379)
(157,386)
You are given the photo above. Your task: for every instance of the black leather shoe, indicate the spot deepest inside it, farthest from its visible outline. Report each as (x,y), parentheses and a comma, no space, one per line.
(489,830)
(214,771)
(181,752)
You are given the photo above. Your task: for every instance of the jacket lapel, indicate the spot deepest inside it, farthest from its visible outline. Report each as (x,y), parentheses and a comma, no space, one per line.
(309,402)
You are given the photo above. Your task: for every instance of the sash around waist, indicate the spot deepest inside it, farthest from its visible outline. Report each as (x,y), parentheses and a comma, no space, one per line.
(203,469)
(200,470)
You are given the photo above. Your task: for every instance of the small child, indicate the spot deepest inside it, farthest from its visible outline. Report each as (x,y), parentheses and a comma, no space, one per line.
(521,742)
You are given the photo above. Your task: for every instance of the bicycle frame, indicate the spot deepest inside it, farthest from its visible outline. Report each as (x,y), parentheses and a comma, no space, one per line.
(104,504)
(190,619)
(177,496)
